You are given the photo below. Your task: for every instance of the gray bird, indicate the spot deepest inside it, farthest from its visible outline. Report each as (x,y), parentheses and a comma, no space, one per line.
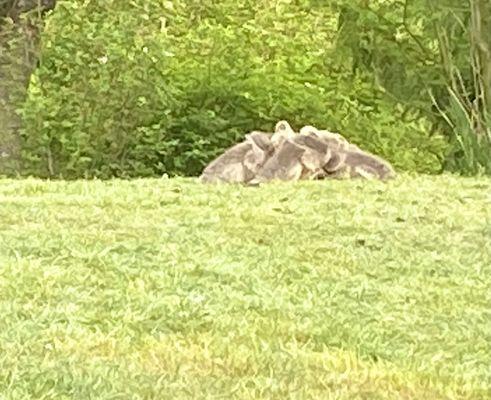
(347,159)
(282,132)
(315,156)
(358,163)
(239,163)
(285,164)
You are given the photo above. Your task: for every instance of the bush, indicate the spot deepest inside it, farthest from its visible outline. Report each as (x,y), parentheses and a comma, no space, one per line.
(96,100)
(150,87)
(434,57)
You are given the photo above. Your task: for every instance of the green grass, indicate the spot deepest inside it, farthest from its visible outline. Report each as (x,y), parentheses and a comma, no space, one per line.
(168,289)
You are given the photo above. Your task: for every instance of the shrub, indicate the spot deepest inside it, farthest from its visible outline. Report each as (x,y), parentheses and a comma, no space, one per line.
(150,87)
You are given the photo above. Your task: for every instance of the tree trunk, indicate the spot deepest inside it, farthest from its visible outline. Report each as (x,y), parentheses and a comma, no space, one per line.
(19,39)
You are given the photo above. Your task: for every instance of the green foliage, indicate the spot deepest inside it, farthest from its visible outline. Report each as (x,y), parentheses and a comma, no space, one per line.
(433,57)
(97,100)
(169,289)
(184,80)
(471,150)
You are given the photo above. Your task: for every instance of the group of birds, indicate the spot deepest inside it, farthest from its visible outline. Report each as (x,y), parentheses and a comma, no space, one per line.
(289,156)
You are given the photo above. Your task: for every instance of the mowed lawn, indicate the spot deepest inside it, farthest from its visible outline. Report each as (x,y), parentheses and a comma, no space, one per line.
(169,289)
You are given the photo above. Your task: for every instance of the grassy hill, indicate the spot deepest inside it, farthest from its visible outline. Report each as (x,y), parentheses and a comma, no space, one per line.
(168,289)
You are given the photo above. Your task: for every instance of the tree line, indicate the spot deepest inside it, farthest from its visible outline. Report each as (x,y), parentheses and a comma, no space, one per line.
(142,88)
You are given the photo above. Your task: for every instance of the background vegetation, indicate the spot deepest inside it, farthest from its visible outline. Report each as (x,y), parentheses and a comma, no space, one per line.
(144,88)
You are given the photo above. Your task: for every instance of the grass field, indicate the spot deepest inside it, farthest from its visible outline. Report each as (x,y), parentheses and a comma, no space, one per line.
(168,289)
